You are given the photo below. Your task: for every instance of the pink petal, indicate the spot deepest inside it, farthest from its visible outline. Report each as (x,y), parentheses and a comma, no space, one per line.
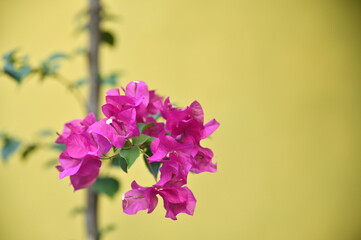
(69,166)
(108,131)
(197,112)
(139,198)
(87,174)
(178,200)
(209,128)
(79,145)
(113,92)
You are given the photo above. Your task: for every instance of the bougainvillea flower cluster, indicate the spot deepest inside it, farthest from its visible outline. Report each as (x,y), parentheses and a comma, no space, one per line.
(138,121)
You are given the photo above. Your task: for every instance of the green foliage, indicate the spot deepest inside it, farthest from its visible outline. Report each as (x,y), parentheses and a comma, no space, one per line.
(51,65)
(46,133)
(81,82)
(56,56)
(156,116)
(108,38)
(106,185)
(10,145)
(15,67)
(141,139)
(28,150)
(119,161)
(18,67)
(51,163)
(58,147)
(103,231)
(130,155)
(111,79)
(152,167)
(10,56)
(18,74)
(143,126)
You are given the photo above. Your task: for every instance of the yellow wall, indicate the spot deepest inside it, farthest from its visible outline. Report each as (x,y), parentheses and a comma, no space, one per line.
(282,77)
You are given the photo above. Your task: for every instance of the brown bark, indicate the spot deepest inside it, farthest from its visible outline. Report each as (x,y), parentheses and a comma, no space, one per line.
(93,106)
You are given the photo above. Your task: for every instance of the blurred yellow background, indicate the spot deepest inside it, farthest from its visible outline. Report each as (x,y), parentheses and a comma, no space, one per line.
(282,77)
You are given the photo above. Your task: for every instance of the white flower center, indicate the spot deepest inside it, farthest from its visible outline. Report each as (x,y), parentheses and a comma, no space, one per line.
(123,196)
(109,121)
(136,81)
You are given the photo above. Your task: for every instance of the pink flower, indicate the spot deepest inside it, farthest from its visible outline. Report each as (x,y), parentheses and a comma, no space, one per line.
(202,160)
(176,200)
(80,160)
(136,96)
(117,128)
(187,124)
(139,91)
(116,104)
(80,145)
(79,142)
(76,126)
(83,172)
(187,127)
(155,103)
(175,145)
(174,172)
(87,174)
(139,198)
(164,146)
(155,129)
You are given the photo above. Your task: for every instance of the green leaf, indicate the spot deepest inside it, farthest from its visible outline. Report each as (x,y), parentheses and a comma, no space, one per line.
(46,133)
(58,147)
(108,38)
(140,139)
(81,82)
(9,147)
(118,161)
(143,126)
(28,150)
(10,56)
(106,230)
(51,163)
(156,116)
(111,79)
(48,68)
(14,67)
(152,167)
(24,71)
(106,185)
(56,56)
(51,65)
(128,144)
(10,71)
(17,74)
(130,155)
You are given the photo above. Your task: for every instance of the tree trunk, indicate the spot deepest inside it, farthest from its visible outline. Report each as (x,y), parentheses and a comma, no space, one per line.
(93,106)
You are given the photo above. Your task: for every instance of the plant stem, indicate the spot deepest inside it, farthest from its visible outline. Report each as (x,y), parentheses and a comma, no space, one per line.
(93,106)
